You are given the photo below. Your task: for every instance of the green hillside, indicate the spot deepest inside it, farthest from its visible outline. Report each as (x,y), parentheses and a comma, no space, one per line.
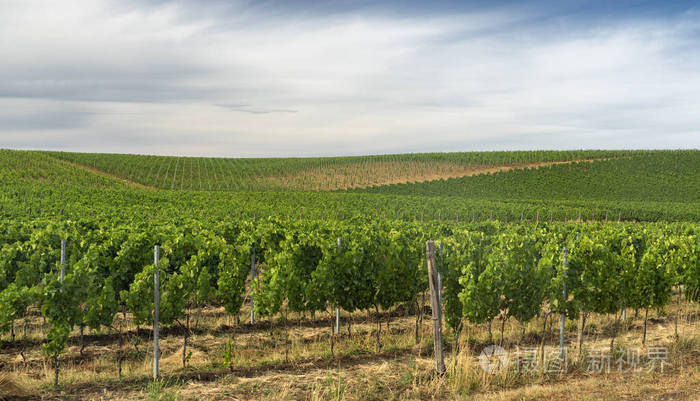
(22,169)
(649,186)
(659,176)
(321,173)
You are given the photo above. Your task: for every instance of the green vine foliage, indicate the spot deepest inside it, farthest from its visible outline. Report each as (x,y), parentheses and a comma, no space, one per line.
(463,262)
(651,284)
(488,269)
(479,296)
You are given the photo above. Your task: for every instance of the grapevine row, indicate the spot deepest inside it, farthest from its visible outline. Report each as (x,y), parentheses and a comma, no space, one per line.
(490,270)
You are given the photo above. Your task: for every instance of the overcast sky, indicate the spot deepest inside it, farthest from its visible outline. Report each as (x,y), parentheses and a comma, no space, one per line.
(301,78)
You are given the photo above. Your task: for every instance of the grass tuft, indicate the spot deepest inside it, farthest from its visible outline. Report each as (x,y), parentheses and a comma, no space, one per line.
(157,390)
(9,389)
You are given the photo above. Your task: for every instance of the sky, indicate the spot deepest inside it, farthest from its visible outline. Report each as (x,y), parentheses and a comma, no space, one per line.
(322,78)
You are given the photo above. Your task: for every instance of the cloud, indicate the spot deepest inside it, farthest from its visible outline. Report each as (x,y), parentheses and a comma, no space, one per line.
(295,78)
(246,108)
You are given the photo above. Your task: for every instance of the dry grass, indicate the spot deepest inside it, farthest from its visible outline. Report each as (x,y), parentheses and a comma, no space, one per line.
(9,388)
(681,386)
(264,367)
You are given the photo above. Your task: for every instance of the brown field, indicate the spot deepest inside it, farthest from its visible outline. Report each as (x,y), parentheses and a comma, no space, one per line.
(366,174)
(265,365)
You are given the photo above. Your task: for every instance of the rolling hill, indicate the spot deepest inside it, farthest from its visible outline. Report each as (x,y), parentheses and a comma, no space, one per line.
(322,173)
(506,186)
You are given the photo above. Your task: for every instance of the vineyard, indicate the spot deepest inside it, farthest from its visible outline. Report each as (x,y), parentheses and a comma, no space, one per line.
(218,174)
(35,184)
(657,176)
(255,280)
(491,272)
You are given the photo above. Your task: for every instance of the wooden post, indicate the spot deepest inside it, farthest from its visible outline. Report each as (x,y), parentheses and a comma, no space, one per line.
(156,310)
(437,310)
(252,277)
(439,274)
(562,319)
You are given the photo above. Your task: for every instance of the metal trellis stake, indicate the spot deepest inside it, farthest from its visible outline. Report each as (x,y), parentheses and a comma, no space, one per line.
(63,260)
(562,320)
(252,277)
(156,310)
(337,310)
